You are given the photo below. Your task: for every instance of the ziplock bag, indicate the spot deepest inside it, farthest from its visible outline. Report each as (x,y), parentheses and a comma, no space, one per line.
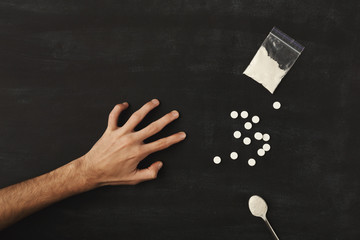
(276,55)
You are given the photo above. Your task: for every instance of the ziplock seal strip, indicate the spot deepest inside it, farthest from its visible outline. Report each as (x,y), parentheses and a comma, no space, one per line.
(287,40)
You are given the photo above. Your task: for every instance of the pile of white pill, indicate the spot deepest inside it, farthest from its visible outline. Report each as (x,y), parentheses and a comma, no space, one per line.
(246,140)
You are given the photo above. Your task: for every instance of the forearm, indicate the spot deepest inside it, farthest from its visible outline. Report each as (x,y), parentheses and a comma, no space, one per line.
(22,199)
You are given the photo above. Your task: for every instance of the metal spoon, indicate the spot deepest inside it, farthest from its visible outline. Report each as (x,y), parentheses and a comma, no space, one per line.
(258,208)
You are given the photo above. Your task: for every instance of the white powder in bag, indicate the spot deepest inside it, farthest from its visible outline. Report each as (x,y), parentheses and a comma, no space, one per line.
(265,70)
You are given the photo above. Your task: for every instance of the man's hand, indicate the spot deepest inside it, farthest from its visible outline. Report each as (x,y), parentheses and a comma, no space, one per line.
(113,160)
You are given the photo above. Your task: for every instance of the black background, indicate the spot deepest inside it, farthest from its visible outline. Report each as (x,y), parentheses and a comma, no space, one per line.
(65,64)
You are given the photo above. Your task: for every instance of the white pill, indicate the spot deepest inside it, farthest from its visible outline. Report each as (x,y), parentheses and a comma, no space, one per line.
(248,125)
(217,160)
(233,155)
(255,119)
(237,134)
(247,141)
(258,136)
(266,137)
(251,162)
(266,147)
(261,152)
(234,114)
(276,105)
(244,114)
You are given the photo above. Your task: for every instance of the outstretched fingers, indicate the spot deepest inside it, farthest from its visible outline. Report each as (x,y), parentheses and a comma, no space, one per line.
(139,115)
(114,115)
(157,125)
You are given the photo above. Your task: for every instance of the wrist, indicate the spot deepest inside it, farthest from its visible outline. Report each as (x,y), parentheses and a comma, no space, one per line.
(87,180)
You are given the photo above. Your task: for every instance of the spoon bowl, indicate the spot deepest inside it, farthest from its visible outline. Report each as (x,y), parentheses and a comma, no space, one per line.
(259,208)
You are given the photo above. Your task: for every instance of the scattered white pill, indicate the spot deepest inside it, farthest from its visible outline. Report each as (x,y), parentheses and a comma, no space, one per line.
(248,125)
(261,152)
(258,136)
(251,162)
(234,114)
(233,155)
(217,160)
(276,105)
(266,147)
(247,141)
(237,134)
(244,114)
(255,119)
(266,137)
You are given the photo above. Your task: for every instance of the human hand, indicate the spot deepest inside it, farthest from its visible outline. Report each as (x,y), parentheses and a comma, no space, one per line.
(113,160)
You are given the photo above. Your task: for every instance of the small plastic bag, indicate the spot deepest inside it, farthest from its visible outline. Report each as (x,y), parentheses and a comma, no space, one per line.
(276,55)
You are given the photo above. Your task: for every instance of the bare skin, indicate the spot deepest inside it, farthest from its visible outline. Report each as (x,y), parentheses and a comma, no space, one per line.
(113,160)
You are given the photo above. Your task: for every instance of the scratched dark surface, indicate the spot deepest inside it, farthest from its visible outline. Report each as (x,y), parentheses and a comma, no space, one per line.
(64,64)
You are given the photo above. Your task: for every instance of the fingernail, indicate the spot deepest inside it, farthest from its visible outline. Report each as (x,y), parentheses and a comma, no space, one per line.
(182,135)
(155,101)
(175,113)
(125,103)
(160,164)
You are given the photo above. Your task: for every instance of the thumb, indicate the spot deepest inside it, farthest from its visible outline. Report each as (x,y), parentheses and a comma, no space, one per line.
(149,173)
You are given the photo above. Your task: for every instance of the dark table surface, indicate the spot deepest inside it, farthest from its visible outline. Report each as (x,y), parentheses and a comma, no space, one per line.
(65,64)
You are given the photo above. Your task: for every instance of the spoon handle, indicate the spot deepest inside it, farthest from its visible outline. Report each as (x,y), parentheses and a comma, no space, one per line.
(271,229)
